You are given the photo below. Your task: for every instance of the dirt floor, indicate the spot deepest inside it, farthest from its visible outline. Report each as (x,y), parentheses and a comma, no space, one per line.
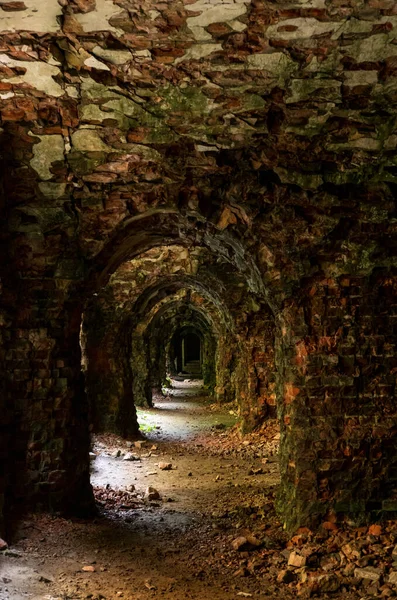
(189,514)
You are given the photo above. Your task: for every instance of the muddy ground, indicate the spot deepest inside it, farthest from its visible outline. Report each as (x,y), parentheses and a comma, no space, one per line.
(187,514)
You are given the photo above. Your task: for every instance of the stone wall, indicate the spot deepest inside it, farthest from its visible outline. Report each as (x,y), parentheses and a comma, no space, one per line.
(263,132)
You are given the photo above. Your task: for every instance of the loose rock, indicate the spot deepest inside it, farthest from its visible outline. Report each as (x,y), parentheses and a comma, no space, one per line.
(129,456)
(239,543)
(296,560)
(165,466)
(368,573)
(152,493)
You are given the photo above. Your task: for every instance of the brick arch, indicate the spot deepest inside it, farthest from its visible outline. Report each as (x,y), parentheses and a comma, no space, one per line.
(161,227)
(161,329)
(117,365)
(173,283)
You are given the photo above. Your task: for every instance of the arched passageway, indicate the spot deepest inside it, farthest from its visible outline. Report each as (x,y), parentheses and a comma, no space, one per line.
(188,352)
(132,327)
(261,141)
(296,338)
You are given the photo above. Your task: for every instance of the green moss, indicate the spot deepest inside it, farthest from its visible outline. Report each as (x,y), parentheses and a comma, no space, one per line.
(189,100)
(361,174)
(320,90)
(82,164)
(252,102)
(307,181)
(92,113)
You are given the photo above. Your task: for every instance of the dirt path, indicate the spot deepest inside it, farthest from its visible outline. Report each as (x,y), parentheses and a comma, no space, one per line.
(139,548)
(183,414)
(189,514)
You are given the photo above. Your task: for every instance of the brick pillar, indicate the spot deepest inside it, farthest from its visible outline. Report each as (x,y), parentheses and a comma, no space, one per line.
(109,379)
(139,362)
(337,401)
(256,378)
(50,462)
(5,420)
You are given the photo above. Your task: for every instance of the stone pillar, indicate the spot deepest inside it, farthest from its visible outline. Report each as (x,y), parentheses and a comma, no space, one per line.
(108,370)
(183,354)
(49,426)
(226,359)
(337,401)
(209,352)
(6,416)
(256,378)
(141,378)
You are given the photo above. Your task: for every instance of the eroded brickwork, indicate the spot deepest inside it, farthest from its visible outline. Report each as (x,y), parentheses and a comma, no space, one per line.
(128,325)
(263,132)
(339,414)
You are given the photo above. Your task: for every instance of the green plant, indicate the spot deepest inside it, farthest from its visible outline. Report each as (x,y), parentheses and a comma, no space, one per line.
(146,428)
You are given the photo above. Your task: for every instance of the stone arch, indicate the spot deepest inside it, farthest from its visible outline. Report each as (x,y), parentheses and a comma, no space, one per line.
(174,316)
(127,351)
(313,189)
(161,227)
(176,354)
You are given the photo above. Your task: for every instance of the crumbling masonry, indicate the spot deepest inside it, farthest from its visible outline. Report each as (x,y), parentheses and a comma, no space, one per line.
(227,165)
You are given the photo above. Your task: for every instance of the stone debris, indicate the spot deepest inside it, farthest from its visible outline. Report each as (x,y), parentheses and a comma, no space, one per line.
(239,543)
(286,576)
(375,530)
(165,466)
(311,563)
(252,540)
(115,499)
(3,545)
(45,579)
(140,444)
(368,573)
(255,471)
(152,494)
(13,6)
(129,456)
(149,585)
(393,578)
(244,541)
(262,444)
(296,560)
(320,582)
(88,569)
